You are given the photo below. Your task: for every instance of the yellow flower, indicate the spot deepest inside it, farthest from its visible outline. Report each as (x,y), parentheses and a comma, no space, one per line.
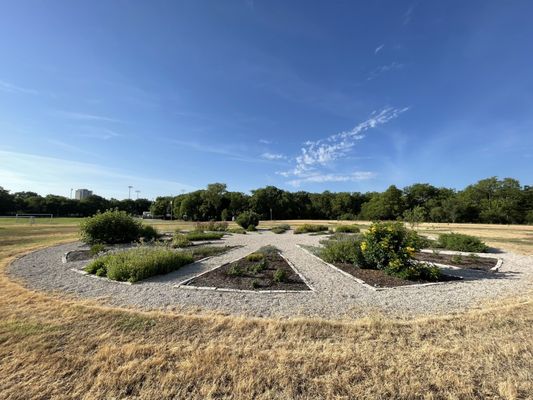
(364,245)
(410,251)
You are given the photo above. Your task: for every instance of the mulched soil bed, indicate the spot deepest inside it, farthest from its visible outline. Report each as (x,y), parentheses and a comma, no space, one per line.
(379,279)
(466,262)
(221,279)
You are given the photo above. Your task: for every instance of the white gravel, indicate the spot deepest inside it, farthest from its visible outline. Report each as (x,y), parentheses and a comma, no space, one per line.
(335,295)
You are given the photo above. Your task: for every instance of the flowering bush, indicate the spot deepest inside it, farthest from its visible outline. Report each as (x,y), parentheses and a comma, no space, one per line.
(391,247)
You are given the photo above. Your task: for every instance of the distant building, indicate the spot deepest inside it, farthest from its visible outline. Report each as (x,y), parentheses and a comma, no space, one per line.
(83,194)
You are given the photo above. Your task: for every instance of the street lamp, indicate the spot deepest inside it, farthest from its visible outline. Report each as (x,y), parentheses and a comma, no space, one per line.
(271,214)
(171,210)
(137,191)
(129,191)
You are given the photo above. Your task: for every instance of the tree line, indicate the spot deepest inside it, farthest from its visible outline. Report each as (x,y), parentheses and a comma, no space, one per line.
(60,206)
(490,200)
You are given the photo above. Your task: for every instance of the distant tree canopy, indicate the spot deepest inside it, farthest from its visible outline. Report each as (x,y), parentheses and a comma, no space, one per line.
(490,200)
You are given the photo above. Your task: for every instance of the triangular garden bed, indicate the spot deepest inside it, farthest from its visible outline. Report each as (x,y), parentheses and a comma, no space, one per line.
(263,270)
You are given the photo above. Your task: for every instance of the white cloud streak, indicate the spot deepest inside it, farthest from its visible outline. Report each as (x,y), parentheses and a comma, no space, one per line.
(11,88)
(384,68)
(379,48)
(85,117)
(321,178)
(273,156)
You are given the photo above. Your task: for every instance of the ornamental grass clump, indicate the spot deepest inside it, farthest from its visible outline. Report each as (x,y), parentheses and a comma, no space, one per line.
(281,229)
(138,264)
(347,229)
(389,246)
(310,228)
(197,235)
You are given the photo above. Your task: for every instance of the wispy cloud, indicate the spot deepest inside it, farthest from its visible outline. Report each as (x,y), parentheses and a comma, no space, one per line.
(98,133)
(85,117)
(379,48)
(318,154)
(11,88)
(408,15)
(384,68)
(57,175)
(273,156)
(321,178)
(264,141)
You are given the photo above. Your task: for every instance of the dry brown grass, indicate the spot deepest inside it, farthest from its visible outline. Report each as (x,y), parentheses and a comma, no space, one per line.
(53,347)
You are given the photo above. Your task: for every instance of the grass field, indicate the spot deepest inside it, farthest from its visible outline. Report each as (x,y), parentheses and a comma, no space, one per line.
(56,347)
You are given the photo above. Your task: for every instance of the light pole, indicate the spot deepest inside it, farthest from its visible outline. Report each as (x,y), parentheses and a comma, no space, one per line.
(137,191)
(271,214)
(71,192)
(171,210)
(129,191)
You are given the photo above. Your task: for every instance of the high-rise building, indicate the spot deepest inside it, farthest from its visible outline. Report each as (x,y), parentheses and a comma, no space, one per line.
(83,193)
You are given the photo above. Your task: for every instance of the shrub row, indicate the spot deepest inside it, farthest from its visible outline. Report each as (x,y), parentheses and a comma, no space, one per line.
(460,242)
(310,228)
(212,226)
(281,229)
(138,264)
(347,229)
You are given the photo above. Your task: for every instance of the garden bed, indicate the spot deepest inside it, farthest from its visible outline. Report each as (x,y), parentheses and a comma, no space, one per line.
(379,279)
(271,273)
(459,261)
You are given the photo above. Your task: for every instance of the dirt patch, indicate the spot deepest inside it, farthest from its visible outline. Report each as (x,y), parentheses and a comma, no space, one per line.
(379,279)
(248,275)
(466,262)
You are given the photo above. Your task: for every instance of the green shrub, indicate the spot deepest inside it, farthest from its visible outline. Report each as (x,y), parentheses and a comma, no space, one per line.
(148,232)
(258,267)
(196,235)
(97,248)
(235,270)
(255,284)
(343,249)
(208,251)
(253,257)
(281,229)
(390,246)
(460,242)
(239,231)
(347,229)
(212,226)
(247,218)
(251,228)
(138,264)
(180,240)
(310,228)
(280,275)
(110,227)
(418,241)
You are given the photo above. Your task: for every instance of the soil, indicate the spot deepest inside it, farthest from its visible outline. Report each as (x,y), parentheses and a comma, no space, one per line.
(379,279)
(220,277)
(466,262)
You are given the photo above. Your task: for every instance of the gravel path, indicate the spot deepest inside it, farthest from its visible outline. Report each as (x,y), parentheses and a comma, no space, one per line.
(334,296)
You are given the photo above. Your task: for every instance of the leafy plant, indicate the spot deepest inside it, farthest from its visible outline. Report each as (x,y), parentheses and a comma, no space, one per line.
(342,249)
(251,228)
(109,227)
(461,242)
(137,264)
(247,219)
(196,235)
(280,229)
(97,248)
(255,257)
(258,267)
(310,228)
(457,258)
(255,284)
(212,226)
(235,270)
(148,232)
(280,275)
(180,240)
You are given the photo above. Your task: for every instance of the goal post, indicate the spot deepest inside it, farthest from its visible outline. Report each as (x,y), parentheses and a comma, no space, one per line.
(32,217)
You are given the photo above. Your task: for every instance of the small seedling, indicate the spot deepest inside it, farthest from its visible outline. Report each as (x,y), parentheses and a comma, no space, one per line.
(235,270)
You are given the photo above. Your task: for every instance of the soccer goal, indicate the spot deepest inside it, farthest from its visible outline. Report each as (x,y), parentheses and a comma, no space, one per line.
(32,217)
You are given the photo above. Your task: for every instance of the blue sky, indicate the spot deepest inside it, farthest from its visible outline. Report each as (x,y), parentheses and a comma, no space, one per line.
(342,96)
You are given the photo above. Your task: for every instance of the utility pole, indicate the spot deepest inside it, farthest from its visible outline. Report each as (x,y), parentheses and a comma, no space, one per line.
(271,214)
(129,191)
(171,210)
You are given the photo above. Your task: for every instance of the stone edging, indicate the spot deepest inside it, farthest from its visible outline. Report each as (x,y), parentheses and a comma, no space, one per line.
(377,289)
